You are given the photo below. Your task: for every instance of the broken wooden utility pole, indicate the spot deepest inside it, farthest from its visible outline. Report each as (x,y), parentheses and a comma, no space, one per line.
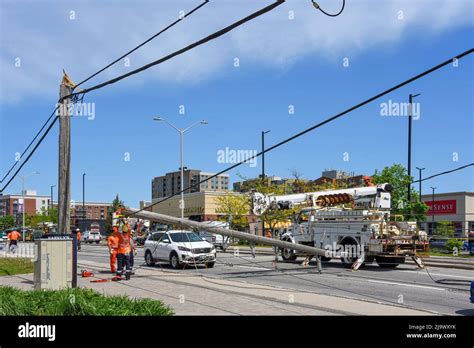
(64,184)
(226,232)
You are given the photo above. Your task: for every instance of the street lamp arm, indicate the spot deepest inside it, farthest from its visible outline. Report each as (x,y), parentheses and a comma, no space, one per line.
(191,126)
(170,124)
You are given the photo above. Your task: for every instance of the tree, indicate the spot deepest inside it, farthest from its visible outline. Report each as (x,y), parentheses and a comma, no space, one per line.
(445,228)
(235,209)
(46,215)
(6,221)
(116,204)
(397,177)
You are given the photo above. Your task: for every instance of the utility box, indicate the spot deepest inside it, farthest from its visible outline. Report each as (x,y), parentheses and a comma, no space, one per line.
(54,262)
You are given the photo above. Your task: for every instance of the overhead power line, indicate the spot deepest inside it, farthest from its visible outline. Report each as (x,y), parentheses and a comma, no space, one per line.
(31,153)
(443,173)
(183,50)
(328,120)
(29,145)
(144,42)
(97,73)
(176,53)
(316,6)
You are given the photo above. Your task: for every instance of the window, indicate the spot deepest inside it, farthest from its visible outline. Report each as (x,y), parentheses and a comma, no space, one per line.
(185,237)
(157,236)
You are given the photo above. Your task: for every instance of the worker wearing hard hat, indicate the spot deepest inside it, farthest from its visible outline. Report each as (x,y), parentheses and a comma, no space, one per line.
(112,243)
(123,252)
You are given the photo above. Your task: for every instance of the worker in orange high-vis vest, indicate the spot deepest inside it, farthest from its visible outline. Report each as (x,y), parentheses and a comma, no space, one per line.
(78,237)
(112,242)
(14,236)
(123,252)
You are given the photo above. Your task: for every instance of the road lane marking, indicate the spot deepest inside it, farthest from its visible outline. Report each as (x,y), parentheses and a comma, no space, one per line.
(408,285)
(451,276)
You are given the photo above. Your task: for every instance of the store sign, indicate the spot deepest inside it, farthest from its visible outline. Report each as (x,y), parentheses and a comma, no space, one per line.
(441,207)
(194,210)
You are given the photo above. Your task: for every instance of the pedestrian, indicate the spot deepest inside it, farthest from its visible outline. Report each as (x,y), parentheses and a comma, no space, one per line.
(78,237)
(13,237)
(112,243)
(123,252)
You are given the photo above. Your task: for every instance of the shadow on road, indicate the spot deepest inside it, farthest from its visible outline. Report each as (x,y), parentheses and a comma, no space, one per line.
(466,312)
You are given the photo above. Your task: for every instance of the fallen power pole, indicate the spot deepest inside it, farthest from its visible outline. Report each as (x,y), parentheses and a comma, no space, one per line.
(64,183)
(225,232)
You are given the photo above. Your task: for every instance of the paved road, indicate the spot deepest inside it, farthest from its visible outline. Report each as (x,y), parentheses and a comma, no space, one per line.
(440,290)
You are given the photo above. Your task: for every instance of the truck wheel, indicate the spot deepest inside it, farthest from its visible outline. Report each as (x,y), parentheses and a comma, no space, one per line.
(97,242)
(348,261)
(149,259)
(174,260)
(288,255)
(389,262)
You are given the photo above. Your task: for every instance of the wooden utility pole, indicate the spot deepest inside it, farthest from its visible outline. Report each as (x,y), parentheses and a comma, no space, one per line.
(64,184)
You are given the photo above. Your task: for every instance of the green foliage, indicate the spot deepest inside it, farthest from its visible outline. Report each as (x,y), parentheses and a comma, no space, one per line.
(116,203)
(235,209)
(397,176)
(454,244)
(46,215)
(445,228)
(15,265)
(6,221)
(75,302)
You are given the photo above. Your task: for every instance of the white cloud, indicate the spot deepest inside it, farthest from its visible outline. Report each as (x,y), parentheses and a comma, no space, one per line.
(47,41)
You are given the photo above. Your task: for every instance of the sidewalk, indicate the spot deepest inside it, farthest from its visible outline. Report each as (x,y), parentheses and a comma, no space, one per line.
(198,295)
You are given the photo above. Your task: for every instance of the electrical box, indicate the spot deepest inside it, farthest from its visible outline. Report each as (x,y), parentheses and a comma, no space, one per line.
(54,262)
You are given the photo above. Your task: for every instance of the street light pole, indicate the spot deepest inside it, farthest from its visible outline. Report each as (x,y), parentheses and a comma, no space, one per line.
(410,112)
(432,209)
(181,132)
(24,203)
(419,179)
(52,201)
(83,199)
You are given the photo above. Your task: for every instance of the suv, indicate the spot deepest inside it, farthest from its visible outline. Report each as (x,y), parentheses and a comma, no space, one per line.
(178,248)
(91,237)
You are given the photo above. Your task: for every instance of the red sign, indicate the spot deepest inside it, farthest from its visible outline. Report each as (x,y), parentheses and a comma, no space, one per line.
(441,207)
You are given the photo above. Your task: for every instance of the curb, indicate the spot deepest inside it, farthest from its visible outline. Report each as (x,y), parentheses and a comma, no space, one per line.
(432,262)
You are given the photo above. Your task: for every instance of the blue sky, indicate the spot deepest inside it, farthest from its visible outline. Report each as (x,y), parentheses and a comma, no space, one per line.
(283,62)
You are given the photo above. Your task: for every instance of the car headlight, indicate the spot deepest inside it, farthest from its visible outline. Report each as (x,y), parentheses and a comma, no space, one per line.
(183,248)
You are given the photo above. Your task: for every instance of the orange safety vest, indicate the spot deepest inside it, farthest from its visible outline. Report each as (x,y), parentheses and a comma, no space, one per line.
(124,243)
(78,236)
(14,235)
(113,241)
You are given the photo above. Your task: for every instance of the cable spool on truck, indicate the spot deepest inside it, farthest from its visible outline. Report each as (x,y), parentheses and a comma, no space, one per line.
(353,225)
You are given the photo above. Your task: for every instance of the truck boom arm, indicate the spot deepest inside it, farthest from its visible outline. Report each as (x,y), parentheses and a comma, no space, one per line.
(261,202)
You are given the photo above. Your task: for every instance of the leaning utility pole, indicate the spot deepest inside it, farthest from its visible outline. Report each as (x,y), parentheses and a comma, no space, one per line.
(64,184)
